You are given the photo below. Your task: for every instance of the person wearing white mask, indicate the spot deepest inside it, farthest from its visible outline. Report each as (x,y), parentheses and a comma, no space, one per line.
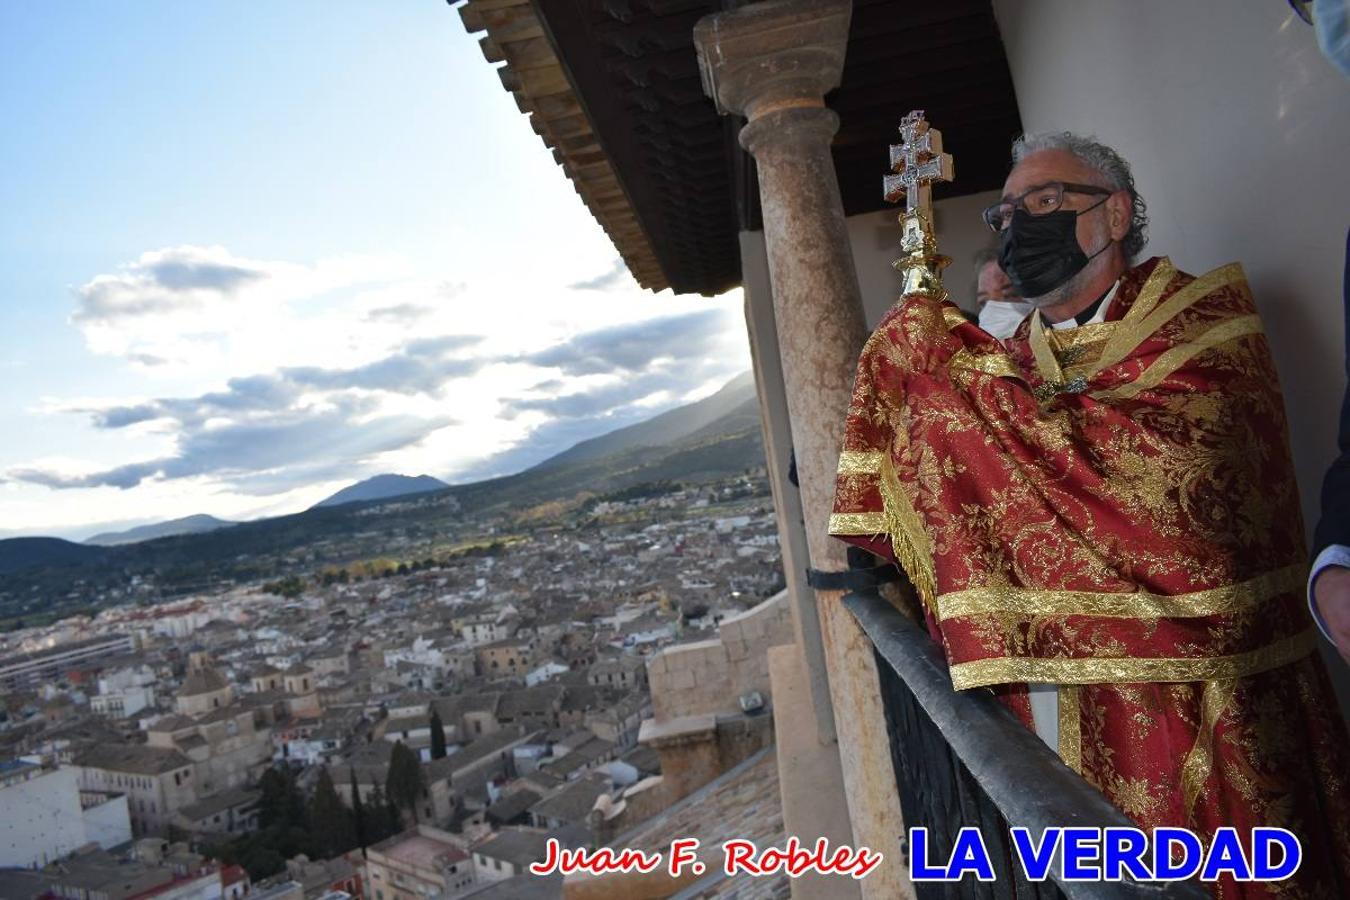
(1001,310)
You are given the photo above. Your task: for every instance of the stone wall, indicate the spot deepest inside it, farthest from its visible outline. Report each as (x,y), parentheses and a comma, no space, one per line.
(694,751)
(710,676)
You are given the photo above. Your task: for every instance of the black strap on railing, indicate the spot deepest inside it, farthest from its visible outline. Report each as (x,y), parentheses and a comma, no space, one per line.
(1024,779)
(852,579)
(863,575)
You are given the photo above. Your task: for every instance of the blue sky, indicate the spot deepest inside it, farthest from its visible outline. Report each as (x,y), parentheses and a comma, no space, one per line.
(252,251)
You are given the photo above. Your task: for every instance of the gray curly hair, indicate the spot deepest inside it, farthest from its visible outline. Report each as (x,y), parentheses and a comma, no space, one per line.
(1110,165)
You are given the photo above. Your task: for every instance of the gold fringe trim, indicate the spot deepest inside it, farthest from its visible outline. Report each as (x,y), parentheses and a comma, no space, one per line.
(909,540)
(1117,670)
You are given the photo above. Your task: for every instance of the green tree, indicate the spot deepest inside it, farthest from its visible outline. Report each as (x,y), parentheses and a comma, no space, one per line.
(359,816)
(282,805)
(437,735)
(330,823)
(405,782)
(290,587)
(384,820)
(261,861)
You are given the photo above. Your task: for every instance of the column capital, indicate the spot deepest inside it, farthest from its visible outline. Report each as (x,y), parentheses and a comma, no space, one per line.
(773,55)
(790,126)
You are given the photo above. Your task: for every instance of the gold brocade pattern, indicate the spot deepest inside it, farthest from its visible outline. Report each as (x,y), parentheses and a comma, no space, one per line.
(999,364)
(1102,670)
(869,524)
(1065,339)
(1070,727)
(1141,322)
(1111,509)
(1199,763)
(1179,356)
(855,462)
(953,317)
(1139,604)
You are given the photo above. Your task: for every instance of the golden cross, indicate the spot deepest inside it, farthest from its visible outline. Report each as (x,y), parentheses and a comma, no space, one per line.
(917,162)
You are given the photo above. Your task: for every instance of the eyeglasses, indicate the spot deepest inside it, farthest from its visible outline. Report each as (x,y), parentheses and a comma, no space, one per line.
(1039,201)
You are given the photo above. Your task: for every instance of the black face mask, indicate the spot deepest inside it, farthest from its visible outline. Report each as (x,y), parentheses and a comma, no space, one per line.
(1040,253)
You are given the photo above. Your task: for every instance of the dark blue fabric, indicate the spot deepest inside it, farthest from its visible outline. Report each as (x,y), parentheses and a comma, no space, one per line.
(1334,526)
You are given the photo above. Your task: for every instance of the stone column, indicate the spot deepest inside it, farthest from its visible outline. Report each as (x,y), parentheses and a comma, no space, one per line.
(768,368)
(773,62)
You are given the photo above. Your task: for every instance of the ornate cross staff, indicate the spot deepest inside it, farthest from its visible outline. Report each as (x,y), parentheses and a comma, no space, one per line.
(917,162)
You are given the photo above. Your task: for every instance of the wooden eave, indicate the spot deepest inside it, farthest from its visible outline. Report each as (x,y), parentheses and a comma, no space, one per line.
(531,71)
(613,89)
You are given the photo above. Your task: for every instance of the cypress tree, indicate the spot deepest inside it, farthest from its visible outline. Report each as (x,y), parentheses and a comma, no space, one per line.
(330,823)
(405,781)
(437,735)
(359,816)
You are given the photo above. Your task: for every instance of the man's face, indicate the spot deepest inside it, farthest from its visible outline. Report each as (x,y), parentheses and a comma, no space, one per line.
(993,284)
(1096,227)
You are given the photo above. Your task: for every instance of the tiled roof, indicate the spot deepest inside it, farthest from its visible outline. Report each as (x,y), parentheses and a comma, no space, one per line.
(136,759)
(509,807)
(518,846)
(743,802)
(219,803)
(574,802)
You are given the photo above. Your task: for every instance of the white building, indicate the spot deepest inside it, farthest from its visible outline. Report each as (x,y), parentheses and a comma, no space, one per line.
(45,816)
(546,672)
(124,693)
(422,653)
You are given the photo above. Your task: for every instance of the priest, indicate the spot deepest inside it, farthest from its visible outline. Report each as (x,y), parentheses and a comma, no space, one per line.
(1099,515)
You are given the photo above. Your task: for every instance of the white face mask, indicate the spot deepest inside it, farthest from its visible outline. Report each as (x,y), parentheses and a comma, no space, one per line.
(1001,317)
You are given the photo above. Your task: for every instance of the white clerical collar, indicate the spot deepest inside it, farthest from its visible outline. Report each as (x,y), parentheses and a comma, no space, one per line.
(1098,316)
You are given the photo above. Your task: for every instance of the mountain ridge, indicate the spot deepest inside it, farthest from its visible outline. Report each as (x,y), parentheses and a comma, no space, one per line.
(383,487)
(195,524)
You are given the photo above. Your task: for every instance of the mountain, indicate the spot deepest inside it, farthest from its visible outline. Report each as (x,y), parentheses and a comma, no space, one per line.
(708,439)
(383,487)
(17,554)
(187,525)
(43,579)
(737,397)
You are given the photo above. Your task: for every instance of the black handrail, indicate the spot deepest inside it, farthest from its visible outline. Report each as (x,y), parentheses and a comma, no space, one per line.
(1026,782)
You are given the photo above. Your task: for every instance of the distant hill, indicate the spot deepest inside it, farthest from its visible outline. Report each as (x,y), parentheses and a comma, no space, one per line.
(383,487)
(737,396)
(186,525)
(708,439)
(17,554)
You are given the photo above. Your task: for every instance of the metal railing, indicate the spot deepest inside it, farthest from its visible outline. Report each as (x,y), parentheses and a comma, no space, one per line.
(963,759)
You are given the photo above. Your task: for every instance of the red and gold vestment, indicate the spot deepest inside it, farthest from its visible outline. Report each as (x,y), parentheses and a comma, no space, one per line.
(1112,509)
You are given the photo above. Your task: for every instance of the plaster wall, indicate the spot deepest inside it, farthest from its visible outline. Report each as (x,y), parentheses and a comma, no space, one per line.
(41,819)
(1236,129)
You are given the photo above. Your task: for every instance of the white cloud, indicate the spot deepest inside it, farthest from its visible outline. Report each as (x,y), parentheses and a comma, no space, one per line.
(263,383)
(178,305)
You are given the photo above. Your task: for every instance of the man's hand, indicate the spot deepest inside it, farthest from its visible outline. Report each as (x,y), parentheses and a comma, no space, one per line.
(1331,592)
